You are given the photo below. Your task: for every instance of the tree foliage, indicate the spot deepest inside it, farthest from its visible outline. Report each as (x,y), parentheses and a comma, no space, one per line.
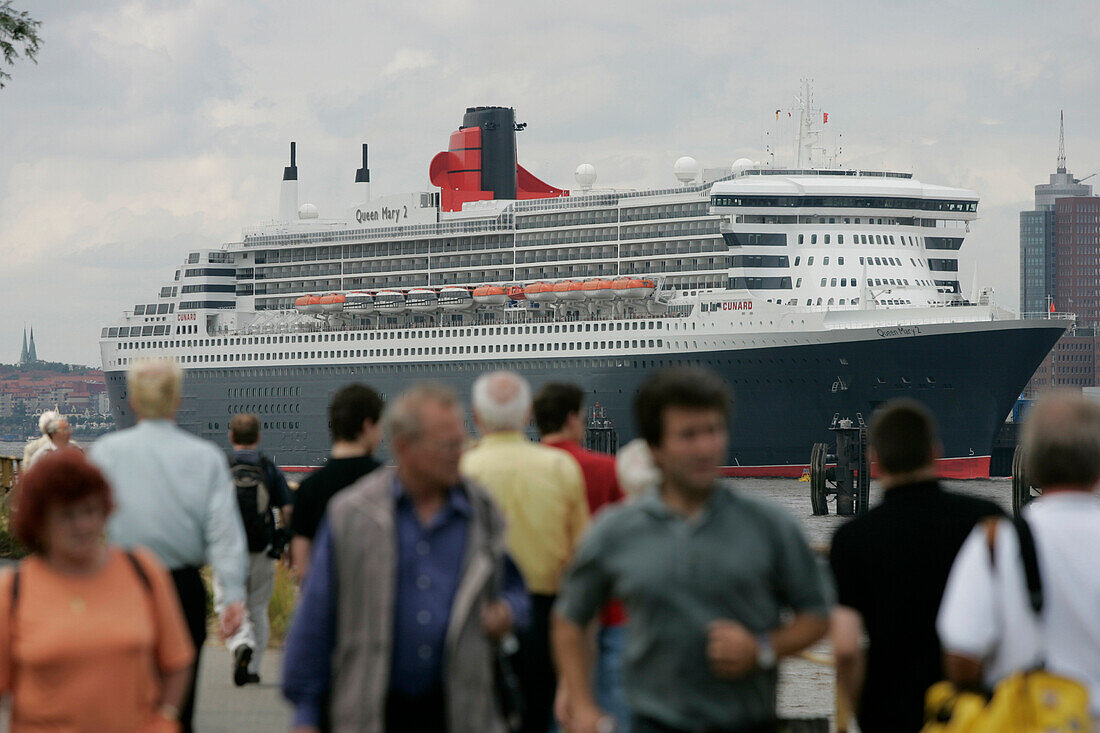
(18,34)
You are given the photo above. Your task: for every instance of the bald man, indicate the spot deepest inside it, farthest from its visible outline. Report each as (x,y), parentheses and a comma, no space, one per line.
(540,490)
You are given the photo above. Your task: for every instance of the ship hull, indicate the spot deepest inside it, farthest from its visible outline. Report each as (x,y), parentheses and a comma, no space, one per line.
(785,397)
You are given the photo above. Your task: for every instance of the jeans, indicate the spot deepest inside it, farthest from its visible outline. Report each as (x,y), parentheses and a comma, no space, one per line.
(610,696)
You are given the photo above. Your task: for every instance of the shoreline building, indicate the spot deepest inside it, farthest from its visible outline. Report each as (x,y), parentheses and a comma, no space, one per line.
(1060,271)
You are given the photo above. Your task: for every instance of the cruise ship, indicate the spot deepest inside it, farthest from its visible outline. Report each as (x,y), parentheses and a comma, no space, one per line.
(815,291)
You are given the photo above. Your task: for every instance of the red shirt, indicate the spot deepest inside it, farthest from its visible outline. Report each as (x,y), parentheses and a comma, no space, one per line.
(601,486)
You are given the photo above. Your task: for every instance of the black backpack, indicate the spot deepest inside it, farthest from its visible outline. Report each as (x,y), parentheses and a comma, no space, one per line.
(254,500)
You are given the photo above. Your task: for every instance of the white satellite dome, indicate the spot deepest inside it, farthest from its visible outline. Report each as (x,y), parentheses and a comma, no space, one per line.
(585,175)
(307,211)
(742,164)
(686,169)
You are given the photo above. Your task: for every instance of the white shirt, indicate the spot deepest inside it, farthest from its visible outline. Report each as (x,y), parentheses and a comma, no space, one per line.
(175,496)
(985,613)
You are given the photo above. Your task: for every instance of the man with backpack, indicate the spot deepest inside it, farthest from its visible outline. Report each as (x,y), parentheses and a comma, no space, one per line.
(999,616)
(264,500)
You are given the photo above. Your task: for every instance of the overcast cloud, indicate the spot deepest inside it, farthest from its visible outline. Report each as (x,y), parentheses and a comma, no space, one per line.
(152,127)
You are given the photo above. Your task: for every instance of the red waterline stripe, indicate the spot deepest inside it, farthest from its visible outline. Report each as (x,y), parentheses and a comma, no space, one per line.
(955,468)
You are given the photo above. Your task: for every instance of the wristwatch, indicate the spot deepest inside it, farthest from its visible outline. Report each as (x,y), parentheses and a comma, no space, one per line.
(765,652)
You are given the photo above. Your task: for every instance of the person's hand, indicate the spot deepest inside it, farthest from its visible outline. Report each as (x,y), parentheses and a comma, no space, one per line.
(496,619)
(231,619)
(731,649)
(587,718)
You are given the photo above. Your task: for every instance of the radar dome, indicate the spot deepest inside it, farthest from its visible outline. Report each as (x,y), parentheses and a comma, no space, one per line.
(585,175)
(686,169)
(307,211)
(742,164)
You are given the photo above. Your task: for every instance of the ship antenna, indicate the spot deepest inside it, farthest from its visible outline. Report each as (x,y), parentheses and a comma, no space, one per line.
(1061,141)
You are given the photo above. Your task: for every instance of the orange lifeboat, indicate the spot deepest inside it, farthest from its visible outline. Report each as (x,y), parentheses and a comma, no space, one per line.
(598,289)
(515,292)
(568,290)
(309,303)
(630,288)
(301,304)
(332,303)
(491,295)
(540,292)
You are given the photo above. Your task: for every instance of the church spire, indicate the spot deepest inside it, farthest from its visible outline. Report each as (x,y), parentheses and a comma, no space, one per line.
(23,353)
(32,354)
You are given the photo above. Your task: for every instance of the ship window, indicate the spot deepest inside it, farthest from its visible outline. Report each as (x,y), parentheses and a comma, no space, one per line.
(813,239)
(832,283)
(810,261)
(823,281)
(840,239)
(842,301)
(800,238)
(843,282)
(798,284)
(891,239)
(796,261)
(819,301)
(826,239)
(840,260)
(878,260)
(830,301)
(809,301)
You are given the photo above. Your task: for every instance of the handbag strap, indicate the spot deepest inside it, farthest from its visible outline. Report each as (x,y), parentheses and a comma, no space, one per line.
(1030,560)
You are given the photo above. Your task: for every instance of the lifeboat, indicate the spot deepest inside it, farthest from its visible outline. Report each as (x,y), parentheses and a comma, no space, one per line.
(308,304)
(390,301)
(455,298)
(630,288)
(598,289)
(515,292)
(568,290)
(492,295)
(359,302)
(332,303)
(540,293)
(422,300)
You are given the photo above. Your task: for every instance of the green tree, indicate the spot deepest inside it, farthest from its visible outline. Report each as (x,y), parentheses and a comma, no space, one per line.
(18,33)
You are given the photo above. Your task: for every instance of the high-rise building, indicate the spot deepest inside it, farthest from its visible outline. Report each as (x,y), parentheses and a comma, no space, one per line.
(1037,235)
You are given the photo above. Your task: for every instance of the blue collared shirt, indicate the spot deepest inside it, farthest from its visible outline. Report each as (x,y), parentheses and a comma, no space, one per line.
(429,568)
(175,497)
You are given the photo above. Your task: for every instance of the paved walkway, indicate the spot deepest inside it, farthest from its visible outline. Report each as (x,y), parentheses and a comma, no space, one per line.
(225,708)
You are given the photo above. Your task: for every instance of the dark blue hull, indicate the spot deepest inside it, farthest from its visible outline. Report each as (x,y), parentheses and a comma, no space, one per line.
(785,396)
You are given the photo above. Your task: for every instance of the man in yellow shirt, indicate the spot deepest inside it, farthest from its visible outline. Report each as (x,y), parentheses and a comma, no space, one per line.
(540,491)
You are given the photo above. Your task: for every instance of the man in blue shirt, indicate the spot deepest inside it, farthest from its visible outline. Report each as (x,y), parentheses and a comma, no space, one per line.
(409,593)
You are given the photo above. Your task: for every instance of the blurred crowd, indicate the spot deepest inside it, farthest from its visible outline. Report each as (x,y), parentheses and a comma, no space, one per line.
(507,584)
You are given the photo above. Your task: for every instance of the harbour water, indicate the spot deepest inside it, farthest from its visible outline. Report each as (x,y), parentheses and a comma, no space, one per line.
(806,689)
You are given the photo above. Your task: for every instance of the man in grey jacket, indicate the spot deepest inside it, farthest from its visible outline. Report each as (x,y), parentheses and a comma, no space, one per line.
(409,591)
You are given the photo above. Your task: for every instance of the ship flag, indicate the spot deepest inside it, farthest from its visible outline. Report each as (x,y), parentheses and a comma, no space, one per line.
(825,119)
(1052,306)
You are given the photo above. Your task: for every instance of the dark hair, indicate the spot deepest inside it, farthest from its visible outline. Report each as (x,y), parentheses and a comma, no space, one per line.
(244,429)
(903,435)
(350,406)
(688,387)
(554,403)
(63,477)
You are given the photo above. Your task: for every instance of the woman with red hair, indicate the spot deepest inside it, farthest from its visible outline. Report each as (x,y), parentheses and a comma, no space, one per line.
(92,638)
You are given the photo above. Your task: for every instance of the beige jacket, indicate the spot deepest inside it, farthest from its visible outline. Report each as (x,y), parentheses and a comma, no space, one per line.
(361,519)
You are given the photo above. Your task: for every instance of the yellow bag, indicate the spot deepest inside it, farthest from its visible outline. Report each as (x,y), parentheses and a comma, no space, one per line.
(1026,702)
(1034,701)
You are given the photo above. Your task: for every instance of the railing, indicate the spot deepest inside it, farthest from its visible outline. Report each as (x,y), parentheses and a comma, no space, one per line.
(1055,316)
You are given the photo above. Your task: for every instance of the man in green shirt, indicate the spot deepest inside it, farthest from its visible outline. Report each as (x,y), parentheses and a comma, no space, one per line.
(704,572)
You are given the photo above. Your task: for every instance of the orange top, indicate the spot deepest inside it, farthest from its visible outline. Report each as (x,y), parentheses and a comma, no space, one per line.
(84,651)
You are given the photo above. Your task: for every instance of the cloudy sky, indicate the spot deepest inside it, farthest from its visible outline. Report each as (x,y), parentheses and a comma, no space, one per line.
(151,127)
